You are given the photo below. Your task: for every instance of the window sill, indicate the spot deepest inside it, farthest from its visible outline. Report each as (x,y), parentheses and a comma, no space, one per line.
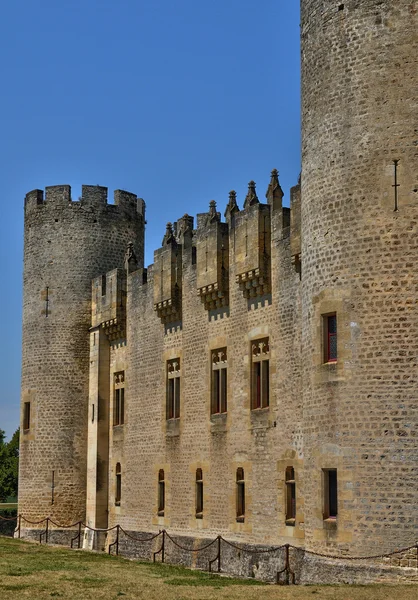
(260,418)
(330,523)
(199,515)
(160,513)
(218,422)
(172,427)
(117,503)
(290,522)
(240,519)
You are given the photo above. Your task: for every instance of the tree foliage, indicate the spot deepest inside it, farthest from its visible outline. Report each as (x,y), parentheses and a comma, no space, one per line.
(9,465)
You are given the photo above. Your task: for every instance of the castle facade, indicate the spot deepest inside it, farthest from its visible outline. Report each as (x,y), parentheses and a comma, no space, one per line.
(259,380)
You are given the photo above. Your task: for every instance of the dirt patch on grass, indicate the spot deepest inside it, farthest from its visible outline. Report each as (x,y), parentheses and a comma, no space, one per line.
(28,570)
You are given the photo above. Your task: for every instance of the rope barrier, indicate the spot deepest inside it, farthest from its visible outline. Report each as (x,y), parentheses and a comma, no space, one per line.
(190,549)
(139,539)
(33,522)
(8,518)
(65,526)
(208,545)
(102,530)
(274,549)
(335,556)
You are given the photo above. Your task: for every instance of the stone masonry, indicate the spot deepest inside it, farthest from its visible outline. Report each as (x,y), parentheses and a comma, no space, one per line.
(209,393)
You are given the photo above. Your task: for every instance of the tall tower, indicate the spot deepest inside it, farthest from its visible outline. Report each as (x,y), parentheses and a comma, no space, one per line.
(359,264)
(66,244)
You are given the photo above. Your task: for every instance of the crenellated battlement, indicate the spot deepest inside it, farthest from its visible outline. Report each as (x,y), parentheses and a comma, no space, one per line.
(242,245)
(93,198)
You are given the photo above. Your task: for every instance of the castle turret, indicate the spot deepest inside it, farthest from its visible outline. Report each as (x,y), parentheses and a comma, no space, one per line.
(359,254)
(66,244)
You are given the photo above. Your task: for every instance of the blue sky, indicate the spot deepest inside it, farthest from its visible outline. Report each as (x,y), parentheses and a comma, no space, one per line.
(179,101)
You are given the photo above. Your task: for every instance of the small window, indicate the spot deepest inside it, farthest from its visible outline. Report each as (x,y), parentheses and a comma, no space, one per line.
(260,374)
(219,381)
(161,493)
(330,494)
(173,389)
(118,493)
(119,398)
(26,416)
(290,496)
(240,490)
(330,338)
(199,494)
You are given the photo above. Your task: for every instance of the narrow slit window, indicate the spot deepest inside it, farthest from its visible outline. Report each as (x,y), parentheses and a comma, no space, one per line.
(161,493)
(290,496)
(260,374)
(199,494)
(330,338)
(330,494)
(219,382)
(240,492)
(118,491)
(119,398)
(173,389)
(26,416)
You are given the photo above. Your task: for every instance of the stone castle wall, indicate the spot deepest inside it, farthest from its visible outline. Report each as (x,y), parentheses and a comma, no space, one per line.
(346,247)
(66,244)
(263,442)
(359,256)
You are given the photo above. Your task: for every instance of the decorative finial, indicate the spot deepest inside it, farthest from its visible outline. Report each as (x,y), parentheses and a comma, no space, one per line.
(232,206)
(213,215)
(168,233)
(251,197)
(274,191)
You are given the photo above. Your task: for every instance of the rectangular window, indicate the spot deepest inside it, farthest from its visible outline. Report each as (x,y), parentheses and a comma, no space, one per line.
(260,374)
(119,398)
(290,496)
(199,494)
(118,491)
(161,493)
(26,416)
(240,495)
(330,494)
(219,381)
(173,389)
(330,337)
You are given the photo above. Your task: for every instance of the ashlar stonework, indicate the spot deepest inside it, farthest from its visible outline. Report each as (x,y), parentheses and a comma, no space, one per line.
(259,380)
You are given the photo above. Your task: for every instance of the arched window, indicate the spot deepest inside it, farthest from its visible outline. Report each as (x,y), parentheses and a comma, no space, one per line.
(240,495)
(290,496)
(199,494)
(161,493)
(118,492)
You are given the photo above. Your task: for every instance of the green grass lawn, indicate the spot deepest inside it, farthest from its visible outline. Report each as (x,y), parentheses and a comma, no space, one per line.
(28,570)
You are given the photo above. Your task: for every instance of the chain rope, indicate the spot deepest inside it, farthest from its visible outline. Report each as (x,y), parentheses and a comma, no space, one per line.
(190,549)
(139,539)
(274,549)
(208,545)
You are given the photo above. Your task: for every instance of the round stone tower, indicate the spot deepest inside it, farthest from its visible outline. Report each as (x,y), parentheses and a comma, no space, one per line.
(66,244)
(359,273)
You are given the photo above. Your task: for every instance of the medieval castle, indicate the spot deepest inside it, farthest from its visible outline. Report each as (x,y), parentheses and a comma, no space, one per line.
(260,379)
